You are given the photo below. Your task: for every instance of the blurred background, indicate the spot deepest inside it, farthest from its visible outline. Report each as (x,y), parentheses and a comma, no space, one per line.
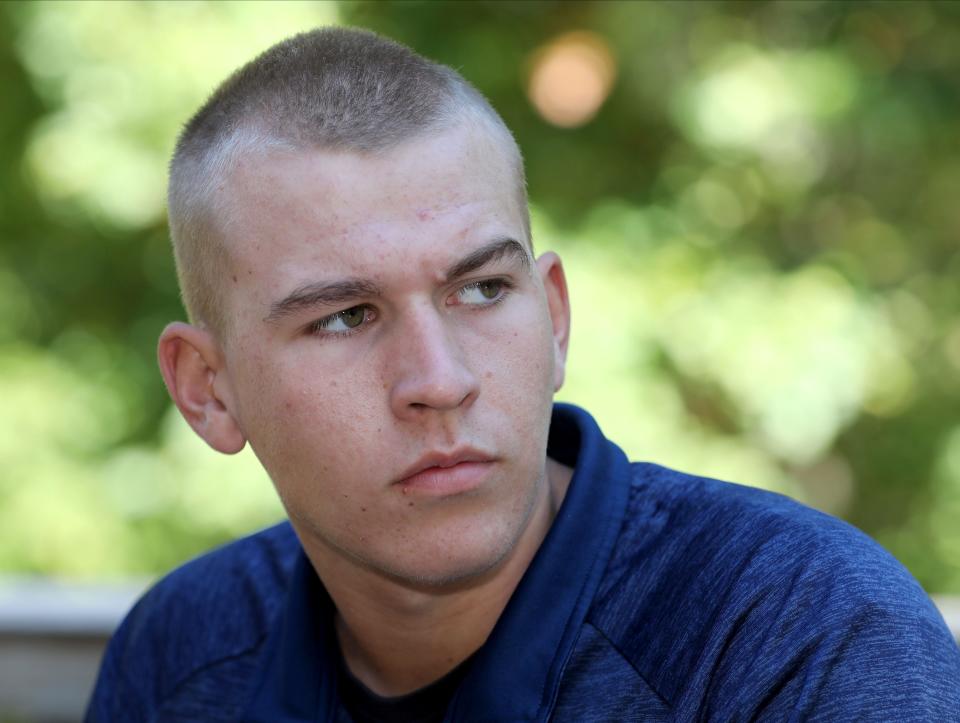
(758,205)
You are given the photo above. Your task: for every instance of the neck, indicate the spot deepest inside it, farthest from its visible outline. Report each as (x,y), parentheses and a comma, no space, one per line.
(396,638)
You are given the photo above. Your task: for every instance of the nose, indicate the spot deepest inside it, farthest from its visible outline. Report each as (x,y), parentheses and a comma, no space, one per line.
(429,369)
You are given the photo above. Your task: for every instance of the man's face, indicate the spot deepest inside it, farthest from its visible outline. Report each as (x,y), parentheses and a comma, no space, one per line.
(391,352)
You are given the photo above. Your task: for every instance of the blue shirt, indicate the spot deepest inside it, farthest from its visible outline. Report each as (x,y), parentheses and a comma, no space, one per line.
(655,596)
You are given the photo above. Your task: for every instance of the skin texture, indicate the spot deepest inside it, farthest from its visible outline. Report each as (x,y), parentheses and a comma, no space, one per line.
(436,365)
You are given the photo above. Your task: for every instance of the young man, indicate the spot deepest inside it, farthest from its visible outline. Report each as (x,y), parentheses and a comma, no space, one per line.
(352,240)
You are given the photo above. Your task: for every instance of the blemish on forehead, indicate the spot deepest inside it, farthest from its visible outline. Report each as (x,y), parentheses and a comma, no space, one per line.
(424,214)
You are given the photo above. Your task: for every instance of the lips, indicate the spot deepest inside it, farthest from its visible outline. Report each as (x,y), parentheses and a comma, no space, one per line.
(446,473)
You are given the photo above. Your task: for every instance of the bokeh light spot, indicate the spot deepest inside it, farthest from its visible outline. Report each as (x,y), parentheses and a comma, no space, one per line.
(571,77)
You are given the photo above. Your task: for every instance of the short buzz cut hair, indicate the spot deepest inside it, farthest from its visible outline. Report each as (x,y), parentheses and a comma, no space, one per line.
(337,89)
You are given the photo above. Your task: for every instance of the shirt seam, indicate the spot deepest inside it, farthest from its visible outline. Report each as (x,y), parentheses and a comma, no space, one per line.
(550,691)
(629,662)
(204,668)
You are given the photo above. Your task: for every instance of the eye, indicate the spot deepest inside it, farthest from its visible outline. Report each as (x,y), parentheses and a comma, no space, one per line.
(343,322)
(482,293)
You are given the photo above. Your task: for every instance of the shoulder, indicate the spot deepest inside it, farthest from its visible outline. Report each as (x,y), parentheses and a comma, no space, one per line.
(734,531)
(216,608)
(220,602)
(719,587)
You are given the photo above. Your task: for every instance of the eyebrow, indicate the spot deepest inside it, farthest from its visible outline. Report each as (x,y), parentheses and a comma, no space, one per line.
(321,293)
(493,251)
(346,290)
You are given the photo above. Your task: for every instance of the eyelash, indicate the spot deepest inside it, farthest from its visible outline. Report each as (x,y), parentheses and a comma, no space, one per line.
(320,327)
(505,288)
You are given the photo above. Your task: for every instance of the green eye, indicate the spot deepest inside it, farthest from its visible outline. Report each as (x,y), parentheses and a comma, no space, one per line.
(489,289)
(352,317)
(483,293)
(343,322)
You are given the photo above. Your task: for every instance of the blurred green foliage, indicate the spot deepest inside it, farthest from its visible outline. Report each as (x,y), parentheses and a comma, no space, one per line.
(761,227)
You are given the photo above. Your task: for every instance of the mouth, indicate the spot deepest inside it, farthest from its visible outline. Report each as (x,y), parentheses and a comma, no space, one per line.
(443,474)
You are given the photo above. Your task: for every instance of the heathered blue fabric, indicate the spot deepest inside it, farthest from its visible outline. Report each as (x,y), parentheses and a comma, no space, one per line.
(656,596)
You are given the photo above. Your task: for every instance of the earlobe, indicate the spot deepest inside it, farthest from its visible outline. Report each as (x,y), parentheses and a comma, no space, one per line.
(191,362)
(558,304)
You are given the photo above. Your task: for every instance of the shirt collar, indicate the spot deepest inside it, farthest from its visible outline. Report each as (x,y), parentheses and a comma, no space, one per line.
(299,678)
(516,674)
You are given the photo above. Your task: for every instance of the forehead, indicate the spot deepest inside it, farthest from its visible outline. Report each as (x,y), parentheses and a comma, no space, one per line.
(293,216)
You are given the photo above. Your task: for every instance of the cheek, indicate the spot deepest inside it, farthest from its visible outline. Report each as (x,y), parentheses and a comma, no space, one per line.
(518,361)
(530,344)
(299,423)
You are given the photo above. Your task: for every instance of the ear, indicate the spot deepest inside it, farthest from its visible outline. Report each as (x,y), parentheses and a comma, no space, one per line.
(192,366)
(558,303)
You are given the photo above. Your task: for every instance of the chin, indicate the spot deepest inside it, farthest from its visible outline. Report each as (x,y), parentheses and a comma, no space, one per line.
(452,565)
(466,572)
(445,579)
(460,551)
